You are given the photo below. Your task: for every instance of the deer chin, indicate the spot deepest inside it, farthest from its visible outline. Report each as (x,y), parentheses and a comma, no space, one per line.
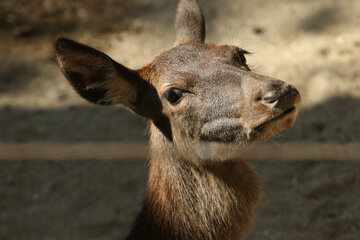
(212,150)
(220,151)
(274,125)
(233,139)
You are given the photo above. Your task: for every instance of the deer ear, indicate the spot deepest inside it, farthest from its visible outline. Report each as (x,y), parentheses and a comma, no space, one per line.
(95,76)
(189,23)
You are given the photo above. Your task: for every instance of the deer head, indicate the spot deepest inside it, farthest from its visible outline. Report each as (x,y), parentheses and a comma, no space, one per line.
(201,98)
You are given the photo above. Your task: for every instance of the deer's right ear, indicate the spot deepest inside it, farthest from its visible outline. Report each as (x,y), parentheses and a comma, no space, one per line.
(95,76)
(189,23)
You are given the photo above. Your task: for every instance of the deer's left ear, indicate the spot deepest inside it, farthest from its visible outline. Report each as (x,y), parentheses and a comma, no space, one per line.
(101,80)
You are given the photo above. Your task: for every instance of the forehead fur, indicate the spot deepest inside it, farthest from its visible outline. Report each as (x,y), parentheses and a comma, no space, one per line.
(193,53)
(189,62)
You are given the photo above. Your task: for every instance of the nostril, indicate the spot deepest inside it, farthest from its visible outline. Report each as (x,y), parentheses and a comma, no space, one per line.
(270,99)
(294,91)
(290,90)
(274,99)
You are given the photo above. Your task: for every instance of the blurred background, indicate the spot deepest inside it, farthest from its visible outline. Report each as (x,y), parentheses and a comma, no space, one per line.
(314,45)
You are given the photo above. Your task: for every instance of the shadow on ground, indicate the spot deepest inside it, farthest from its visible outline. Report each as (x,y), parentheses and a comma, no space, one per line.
(335,120)
(65,16)
(49,19)
(99,200)
(71,124)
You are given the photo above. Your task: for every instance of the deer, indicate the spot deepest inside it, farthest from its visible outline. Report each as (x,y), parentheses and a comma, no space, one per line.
(205,108)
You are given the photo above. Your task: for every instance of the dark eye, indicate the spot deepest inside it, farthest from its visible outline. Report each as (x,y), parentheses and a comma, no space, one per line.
(173,95)
(240,58)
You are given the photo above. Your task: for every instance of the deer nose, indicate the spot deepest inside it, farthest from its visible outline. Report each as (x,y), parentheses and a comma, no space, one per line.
(281,99)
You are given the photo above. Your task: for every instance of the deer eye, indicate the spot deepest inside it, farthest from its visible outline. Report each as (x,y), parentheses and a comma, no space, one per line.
(240,58)
(173,95)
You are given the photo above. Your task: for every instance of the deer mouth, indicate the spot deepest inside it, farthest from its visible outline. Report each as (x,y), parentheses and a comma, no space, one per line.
(282,116)
(289,111)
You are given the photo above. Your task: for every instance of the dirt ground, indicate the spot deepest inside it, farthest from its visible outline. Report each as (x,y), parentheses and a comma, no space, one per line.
(314,45)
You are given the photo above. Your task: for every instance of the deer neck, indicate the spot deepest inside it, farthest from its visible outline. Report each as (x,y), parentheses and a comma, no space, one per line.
(196,200)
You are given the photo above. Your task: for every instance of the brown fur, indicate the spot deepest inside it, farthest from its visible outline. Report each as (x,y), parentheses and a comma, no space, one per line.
(192,200)
(190,23)
(205,107)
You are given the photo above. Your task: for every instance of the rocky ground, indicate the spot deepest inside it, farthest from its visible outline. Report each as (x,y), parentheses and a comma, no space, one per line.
(314,45)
